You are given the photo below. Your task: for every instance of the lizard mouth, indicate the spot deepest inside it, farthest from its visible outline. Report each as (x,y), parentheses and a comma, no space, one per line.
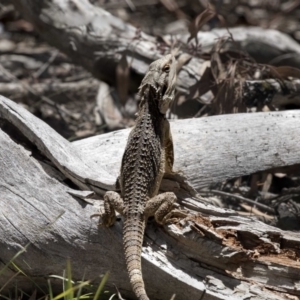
(164,89)
(167,96)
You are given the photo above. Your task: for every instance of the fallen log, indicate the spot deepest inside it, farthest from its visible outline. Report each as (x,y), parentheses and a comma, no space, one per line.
(214,253)
(97,40)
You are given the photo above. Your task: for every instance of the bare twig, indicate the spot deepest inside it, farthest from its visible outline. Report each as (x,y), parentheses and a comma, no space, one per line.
(17,89)
(45,99)
(45,66)
(241,198)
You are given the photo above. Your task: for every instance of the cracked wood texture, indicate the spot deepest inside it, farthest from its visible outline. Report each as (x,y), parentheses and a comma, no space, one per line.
(214,254)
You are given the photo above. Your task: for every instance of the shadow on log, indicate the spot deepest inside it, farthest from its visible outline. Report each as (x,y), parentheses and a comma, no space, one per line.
(214,252)
(46,195)
(96,40)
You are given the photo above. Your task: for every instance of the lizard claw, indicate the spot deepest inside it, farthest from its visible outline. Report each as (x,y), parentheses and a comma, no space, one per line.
(95,215)
(107,220)
(175,216)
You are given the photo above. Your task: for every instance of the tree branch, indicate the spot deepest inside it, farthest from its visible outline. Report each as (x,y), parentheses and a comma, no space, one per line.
(213,250)
(95,39)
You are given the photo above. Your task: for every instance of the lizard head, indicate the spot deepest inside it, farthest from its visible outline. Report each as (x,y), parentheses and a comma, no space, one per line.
(161,76)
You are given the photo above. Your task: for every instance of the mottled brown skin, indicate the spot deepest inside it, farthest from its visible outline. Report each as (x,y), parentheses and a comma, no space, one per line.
(148,155)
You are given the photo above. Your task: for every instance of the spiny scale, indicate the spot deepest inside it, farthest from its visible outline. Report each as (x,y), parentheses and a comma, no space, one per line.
(142,157)
(148,149)
(140,167)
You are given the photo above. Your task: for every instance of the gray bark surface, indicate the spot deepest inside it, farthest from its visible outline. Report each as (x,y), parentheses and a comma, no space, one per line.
(96,40)
(214,253)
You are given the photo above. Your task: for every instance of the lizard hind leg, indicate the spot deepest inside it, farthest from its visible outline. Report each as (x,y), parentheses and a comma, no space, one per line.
(112,203)
(160,207)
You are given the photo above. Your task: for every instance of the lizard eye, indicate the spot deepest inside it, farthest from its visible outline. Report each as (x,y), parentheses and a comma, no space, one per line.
(166,68)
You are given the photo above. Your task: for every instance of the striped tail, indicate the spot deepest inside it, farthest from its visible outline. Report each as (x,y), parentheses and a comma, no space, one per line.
(133,234)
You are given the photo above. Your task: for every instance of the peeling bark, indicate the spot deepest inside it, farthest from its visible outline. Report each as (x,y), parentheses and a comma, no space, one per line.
(214,252)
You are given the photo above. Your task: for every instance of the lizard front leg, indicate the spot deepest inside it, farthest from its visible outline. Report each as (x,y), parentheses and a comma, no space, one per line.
(112,203)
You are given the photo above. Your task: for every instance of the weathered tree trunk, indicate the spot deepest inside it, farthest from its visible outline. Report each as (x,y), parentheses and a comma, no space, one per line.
(215,252)
(95,39)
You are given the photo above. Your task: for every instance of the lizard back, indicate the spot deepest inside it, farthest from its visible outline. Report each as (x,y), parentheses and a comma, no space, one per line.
(141,173)
(141,164)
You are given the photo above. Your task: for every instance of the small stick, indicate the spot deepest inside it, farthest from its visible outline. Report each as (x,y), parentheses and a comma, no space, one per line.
(241,198)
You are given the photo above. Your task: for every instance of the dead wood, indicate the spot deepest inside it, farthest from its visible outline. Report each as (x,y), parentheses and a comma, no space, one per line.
(95,39)
(19,90)
(214,253)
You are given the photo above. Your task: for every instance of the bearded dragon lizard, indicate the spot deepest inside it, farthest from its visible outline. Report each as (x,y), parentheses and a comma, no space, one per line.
(148,155)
